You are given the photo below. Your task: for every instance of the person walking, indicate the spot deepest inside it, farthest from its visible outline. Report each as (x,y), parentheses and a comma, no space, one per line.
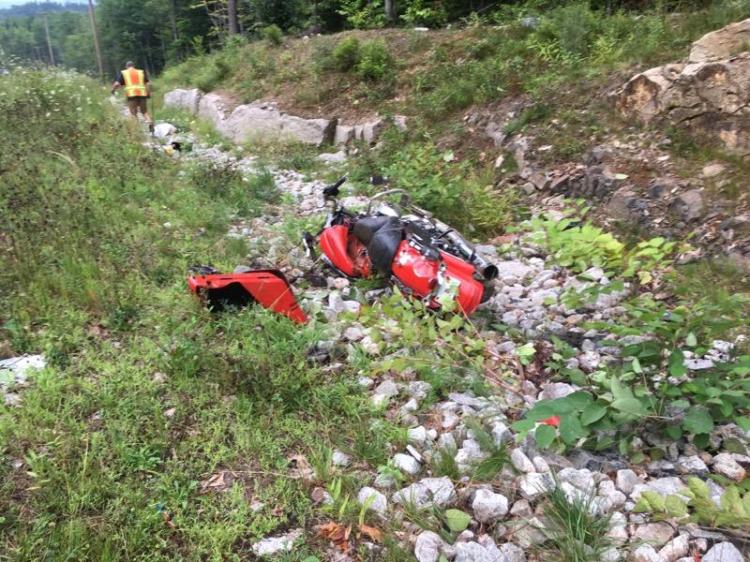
(137,91)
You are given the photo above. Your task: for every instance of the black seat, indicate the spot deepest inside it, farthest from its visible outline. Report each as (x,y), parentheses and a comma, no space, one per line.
(381,236)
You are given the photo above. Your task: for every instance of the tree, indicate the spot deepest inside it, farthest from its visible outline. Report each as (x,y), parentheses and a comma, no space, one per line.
(233,26)
(390,10)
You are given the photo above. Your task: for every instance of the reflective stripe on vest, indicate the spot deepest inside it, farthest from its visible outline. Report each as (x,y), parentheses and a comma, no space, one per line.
(135,83)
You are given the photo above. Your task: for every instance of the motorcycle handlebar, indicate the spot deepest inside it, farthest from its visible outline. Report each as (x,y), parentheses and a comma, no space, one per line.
(333,189)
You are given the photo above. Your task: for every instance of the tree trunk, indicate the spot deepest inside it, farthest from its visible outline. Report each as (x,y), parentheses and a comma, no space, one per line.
(390,10)
(234,27)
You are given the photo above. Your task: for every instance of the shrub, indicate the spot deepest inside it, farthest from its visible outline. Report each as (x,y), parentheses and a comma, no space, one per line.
(273,34)
(346,54)
(375,61)
(419,13)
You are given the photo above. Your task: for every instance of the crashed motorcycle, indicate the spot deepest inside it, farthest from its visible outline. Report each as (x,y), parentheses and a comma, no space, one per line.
(424,257)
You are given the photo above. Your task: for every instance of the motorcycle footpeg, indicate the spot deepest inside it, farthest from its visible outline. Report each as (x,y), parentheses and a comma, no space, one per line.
(308,240)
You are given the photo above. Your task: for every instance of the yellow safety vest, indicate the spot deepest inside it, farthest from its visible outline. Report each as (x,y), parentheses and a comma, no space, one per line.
(135,83)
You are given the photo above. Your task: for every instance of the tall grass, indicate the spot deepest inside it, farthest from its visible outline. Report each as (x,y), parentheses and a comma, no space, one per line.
(147,394)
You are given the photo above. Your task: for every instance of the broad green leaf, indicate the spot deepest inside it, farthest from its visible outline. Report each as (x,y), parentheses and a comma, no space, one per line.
(545,435)
(673,431)
(698,420)
(592,413)
(571,429)
(630,405)
(523,426)
(677,363)
(636,365)
(457,520)
(743,422)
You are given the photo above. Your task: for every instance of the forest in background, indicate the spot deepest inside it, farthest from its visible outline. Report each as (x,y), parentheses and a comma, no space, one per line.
(157,33)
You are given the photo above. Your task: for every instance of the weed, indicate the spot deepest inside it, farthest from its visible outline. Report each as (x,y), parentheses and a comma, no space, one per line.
(444,464)
(346,54)
(273,35)
(375,63)
(577,531)
(498,455)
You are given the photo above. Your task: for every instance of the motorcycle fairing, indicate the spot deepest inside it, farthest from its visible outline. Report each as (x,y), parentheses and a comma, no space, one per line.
(346,253)
(266,287)
(422,275)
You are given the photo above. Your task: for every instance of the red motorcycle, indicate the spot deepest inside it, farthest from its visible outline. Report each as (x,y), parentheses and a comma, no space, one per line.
(423,256)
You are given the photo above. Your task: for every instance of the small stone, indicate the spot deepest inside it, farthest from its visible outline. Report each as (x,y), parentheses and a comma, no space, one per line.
(428,547)
(354,333)
(521,462)
(713,170)
(674,549)
(656,534)
(438,492)
(618,528)
(377,501)
(689,206)
(469,454)
(340,459)
(406,463)
(529,533)
(725,465)
(489,506)
(535,484)
(417,435)
(473,552)
(450,420)
(664,486)
(646,553)
(501,433)
(555,390)
(614,496)
(723,552)
(387,388)
(521,509)
(511,553)
(540,464)
(691,465)
(271,546)
(582,478)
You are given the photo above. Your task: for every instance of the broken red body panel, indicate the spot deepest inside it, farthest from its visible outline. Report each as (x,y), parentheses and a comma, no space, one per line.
(267,287)
(419,273)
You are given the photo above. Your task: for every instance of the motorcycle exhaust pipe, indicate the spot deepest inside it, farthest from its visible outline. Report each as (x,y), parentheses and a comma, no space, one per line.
(488,270)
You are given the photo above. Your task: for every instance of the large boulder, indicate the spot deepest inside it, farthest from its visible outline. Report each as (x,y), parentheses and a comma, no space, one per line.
(260,120)
(183,99)
(710,93)
(722,43)
(214,109)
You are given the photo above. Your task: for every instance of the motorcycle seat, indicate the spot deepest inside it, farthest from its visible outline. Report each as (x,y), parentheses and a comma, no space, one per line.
(382,237)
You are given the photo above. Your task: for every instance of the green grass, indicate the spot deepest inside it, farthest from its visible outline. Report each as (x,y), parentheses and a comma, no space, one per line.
(147,394)
(576,532)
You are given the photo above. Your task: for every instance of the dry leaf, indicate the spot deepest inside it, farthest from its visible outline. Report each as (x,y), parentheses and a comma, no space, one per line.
(373,533)
(219,482)
(337,533)
(299,468)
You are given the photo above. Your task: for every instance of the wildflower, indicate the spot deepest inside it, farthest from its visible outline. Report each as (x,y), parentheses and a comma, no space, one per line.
(554,421)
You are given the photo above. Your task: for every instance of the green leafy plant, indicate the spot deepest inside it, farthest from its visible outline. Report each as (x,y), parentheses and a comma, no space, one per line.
(273,34)
(375,61)
(695,504)
(346,54)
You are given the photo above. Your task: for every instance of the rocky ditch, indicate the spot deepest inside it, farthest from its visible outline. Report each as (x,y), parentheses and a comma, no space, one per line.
(264,121)
(506,517)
